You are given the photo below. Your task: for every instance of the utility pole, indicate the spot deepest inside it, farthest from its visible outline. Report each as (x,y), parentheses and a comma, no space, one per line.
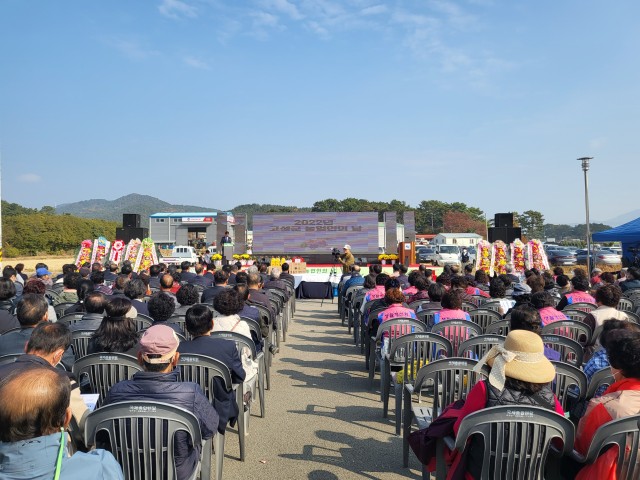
(585,168)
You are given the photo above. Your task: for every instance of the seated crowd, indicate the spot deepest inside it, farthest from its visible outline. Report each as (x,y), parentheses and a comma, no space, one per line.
(521,371)
(40,316)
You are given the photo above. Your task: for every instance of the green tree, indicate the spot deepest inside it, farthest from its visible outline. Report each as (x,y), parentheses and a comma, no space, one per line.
(532,224)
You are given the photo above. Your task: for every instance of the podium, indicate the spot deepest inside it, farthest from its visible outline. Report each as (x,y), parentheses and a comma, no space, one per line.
(227,253)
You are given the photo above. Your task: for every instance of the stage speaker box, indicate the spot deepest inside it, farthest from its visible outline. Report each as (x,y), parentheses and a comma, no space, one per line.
(507,235)
(503,220)
(127,234)
(131,220)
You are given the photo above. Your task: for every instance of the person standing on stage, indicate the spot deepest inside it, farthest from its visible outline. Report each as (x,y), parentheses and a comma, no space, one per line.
(346,259)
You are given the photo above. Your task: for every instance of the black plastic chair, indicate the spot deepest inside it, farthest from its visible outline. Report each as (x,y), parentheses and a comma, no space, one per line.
(426,316)
(573,329)
(575,314)
(602,378)
(143,322)
(625,305)
(457,331)
(516,439)
(623,433)
(501,327)
(80,341)
(142,437)
(581,306)
(241,343)
(570,351)
(391,329)
(410,352)
(204,370)
(442,382)
(484,317)
(570,384)
(104,370)
(71,318)
(476,347)
(62,307)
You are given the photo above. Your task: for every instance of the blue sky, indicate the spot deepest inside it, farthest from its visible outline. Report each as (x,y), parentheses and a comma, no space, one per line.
(217,103)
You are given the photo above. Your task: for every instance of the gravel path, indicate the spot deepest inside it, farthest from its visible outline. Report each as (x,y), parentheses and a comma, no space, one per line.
(323,422)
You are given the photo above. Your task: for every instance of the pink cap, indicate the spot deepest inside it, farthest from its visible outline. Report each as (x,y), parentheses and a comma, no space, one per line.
(159,340)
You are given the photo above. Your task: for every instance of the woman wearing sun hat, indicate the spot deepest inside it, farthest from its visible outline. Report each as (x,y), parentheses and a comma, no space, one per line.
(520,375)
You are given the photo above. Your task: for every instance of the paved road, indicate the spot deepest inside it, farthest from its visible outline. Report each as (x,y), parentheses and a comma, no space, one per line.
(323,422)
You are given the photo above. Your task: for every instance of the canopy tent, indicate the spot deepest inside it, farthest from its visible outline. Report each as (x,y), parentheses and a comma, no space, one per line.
(628,234)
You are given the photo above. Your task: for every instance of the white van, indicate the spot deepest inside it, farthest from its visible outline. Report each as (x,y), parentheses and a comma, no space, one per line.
(447,255)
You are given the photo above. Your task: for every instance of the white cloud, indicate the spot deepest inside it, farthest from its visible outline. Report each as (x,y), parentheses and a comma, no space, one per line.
(196,62)
(284,6)
(132,48)
(29,178)
(264,19)
(176,9)
(374,10)
(596,143)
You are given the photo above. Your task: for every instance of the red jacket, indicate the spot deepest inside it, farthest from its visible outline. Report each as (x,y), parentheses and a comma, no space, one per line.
(622,399)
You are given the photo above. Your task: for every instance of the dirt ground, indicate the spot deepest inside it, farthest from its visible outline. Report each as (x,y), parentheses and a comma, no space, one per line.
(54,263)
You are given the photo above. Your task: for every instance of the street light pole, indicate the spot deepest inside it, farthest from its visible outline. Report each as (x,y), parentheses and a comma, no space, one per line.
(585,169)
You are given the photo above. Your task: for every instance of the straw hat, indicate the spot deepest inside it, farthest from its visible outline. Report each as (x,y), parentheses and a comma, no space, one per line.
(521,357)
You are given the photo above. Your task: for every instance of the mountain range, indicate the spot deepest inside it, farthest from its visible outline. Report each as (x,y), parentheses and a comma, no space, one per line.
(145,205)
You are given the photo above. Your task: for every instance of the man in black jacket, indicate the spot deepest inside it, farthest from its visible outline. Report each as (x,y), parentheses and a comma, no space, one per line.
(159,382)
(199,322)
(220,279)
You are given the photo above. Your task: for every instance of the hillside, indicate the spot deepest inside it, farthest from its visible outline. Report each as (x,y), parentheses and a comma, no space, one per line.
(112,210)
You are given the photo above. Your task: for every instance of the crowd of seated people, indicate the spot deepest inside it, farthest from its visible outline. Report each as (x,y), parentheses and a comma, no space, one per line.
(107,301)
(530,301)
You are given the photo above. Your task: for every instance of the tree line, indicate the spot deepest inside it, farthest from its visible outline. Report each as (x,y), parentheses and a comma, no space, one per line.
(29,231)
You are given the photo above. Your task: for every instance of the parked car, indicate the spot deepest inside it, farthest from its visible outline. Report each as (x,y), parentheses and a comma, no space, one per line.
(561,256)
(447,255)
(425,254)
(598,257)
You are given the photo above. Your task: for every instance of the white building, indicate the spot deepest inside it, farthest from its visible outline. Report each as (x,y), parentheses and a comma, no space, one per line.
(460,239)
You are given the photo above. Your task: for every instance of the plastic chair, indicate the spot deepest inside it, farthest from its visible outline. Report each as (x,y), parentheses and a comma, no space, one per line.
(104,370)
(255,330)
(602,378)
(468,306)
(80,341)
(573,329)
(180,320)
(582,306)
(426,316)
(410,352)
(143,322)
(568,379)
(390,329)
(492,305)
(574,314)
(61,308)
(443,382)
(484,317)
(571,352)
(625,305)
(516,439)
(71,318)
(142,436)
(204,370)
(354,313)
(244,342)
(633,317)
(457,331)
(476,347)
(501,327)
(415,304)
(623,433)
(365,338)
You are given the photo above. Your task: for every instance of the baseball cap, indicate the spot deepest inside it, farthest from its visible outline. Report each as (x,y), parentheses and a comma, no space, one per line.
(42,271)
(347,247)
(159,340)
